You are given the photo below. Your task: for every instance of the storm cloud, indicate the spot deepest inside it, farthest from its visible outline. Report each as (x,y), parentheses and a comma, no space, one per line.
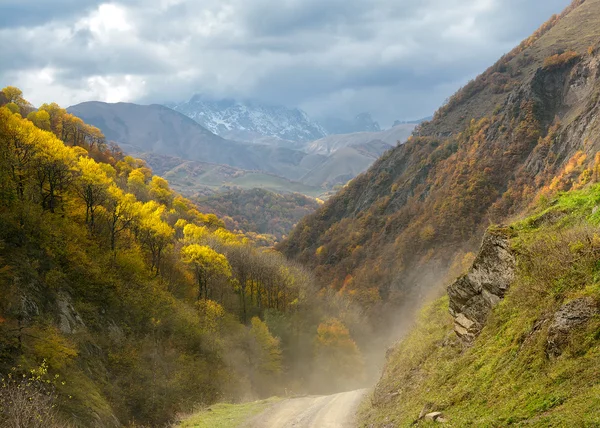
(398,59)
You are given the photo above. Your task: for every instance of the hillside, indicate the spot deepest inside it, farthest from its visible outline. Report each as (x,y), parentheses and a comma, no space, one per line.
(258,210)
(362,122)
(528,124)
(344,164)
(121,304)
(536,359)
(193,178)
(331,143)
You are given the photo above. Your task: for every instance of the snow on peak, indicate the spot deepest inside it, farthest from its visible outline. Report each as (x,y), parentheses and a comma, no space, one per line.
(227,116)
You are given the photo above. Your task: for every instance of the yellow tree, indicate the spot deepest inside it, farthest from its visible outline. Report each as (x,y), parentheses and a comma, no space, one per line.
(265,357)
(154,234)
(337,356)
(269,351)
(57,115)
(92,186)
(53,169)
(13,95)
(19,144)
(136,184)
(121,212)
(208,266)
(40,118)
(160,192)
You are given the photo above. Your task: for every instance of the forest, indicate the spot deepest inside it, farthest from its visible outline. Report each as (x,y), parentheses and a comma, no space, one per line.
(259,211)
(123,304)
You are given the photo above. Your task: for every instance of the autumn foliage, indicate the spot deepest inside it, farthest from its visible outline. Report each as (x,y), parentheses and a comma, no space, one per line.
(143,304)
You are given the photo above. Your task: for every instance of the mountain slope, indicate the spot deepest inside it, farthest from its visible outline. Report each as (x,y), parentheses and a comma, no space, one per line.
(247,121)
(345,163)
(363,122)
(160,130)
(536,360)
(258,210)
(123,305)
(528,122)
(331,143)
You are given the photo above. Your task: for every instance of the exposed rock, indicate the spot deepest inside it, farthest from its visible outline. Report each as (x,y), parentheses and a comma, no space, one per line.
(427,408)
(472,296)
(435,417)
(69,320)
(570,315)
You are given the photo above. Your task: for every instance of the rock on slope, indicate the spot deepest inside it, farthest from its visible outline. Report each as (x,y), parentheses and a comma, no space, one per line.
(473,295)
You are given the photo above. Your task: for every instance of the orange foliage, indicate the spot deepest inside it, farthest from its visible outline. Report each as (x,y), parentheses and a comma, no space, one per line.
(559,60)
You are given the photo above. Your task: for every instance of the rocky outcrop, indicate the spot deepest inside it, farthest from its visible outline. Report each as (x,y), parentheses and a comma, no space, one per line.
(472,296)
(570,315)
(69,320)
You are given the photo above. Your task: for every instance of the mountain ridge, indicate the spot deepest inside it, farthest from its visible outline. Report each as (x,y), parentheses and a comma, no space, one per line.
(250,120)
(522,125)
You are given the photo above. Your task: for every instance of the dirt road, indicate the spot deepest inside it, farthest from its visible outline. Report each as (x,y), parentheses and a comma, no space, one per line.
(328,411)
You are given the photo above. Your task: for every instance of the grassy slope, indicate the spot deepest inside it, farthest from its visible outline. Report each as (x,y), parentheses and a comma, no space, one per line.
(506,377)
(225,415)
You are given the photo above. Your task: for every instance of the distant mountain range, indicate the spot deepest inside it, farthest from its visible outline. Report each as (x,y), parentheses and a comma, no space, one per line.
(277,149)
(361,123)
(250,121)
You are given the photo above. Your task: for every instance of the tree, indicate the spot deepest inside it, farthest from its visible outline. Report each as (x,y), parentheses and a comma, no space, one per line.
(136,184)
(121,212)
(336,355)
(92,186)
(41,119)
(268,355)
(208,265)
(154,233)
(56,114)
(160,192)
(54,170)
(18,147)
(13,94)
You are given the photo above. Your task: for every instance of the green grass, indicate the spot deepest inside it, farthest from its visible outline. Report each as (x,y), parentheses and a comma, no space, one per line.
(225,415)
(506,378)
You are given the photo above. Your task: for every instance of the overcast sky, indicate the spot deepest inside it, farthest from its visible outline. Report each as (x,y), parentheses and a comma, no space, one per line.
(398,59)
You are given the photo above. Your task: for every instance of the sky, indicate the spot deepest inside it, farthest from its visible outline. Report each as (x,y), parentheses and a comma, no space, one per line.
(397,59)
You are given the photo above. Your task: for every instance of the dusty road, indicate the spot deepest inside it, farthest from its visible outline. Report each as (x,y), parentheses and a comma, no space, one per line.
(328,411)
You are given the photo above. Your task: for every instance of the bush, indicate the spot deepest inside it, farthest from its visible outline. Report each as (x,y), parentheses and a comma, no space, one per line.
(28,401)
(558,60)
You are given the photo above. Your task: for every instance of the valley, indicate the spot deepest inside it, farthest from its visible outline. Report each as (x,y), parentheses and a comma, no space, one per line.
(202,162)
(234,262)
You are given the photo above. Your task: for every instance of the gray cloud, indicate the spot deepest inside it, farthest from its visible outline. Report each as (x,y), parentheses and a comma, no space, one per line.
(394,58)
(18,13)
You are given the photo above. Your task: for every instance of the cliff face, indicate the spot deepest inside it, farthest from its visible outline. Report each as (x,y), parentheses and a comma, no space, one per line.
(473,295)
(528,124)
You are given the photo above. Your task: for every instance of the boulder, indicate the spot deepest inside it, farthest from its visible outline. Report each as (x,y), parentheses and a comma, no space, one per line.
(570,315)
(472,296)
(434,416)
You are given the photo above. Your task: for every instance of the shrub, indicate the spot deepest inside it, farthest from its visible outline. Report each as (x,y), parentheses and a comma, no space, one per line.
(28,401)
(559,60)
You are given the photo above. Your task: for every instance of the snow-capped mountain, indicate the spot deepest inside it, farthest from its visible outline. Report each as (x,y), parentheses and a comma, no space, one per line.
(249,121)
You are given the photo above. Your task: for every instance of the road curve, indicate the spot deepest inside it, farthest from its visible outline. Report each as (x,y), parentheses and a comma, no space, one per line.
(327,411)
